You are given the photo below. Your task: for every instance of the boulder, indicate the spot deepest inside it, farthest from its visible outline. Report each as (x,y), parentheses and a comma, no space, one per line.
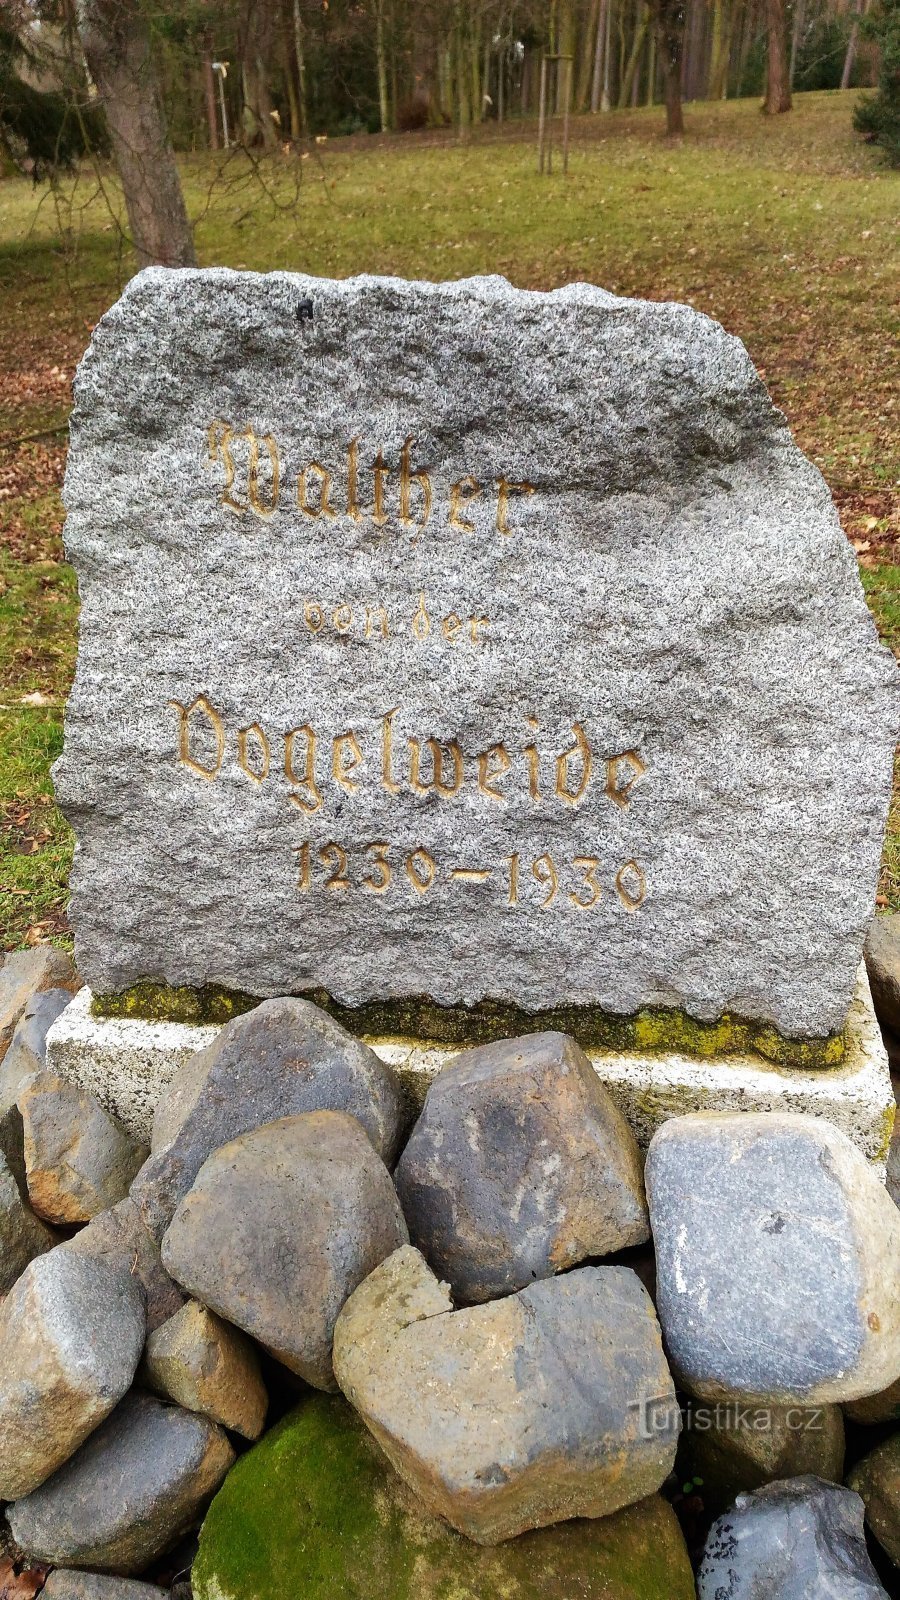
(520,1165)
(130,1492)
(65,1584)
(881,1407)
(883,967)
(28,1046)
(118,1238)
(71,1335)
(22,1235)
(78,1159)
(800,1539)
(280,1227)
(25,973)
(553,1403)
(206,1365)
(876,1480)
(283,1058)
(732,1447)
(778,1259)
(315,1509)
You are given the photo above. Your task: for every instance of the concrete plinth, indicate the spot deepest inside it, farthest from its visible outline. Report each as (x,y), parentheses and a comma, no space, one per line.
(128,1063)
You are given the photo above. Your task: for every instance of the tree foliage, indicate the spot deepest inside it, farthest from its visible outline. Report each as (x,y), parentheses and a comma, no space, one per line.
(878,117)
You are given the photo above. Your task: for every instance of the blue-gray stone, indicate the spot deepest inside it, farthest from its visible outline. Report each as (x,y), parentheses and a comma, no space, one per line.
(797,1539)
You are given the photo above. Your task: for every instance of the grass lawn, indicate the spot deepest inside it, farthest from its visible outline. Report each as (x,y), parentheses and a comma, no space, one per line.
(784,229)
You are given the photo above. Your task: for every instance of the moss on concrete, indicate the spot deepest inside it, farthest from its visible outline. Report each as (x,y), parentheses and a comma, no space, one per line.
(418,1017)
(315,1512)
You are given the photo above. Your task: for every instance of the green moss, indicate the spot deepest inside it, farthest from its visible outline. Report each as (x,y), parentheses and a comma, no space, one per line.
(418,1017)
(888,1118)
(315,1512)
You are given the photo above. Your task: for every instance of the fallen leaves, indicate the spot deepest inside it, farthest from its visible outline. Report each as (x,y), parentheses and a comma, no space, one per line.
(20,1582)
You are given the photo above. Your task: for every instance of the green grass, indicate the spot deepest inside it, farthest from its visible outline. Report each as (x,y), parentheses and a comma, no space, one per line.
(783,229)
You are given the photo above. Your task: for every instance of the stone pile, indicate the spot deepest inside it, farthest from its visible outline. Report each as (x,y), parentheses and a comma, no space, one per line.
(503,1357)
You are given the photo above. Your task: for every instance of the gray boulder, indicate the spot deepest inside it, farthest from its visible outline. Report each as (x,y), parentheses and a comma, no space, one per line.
(284,1058)
(79,1161)
(130,1492)
(22,1235)
(520,1165)
(800,1539)
(28,1047)
(883,967)
(553,1403)
(735,1447)
(71,1335)
(876,1480)
(25,973)
(205,1365)
(280,1227)
(65,1584)
(778,1258)
(118,1238)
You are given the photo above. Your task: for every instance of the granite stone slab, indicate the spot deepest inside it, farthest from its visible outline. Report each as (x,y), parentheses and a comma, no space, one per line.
(460,641)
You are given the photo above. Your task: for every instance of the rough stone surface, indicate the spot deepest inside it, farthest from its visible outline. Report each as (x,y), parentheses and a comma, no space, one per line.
(78,1160)
(22,1235)
(28,1046)
(71,1334)
(316,1510)
(732,1447)
(126,1063)
(119,1238)
(284,1058)
(164,1463)
(280,1227)
(26,973)
(778,1259)
(71,1585)
(801,1539)
(625,561)
(553,1403)
(519,1166)
(205,1365)
(877,1479)
(883,964)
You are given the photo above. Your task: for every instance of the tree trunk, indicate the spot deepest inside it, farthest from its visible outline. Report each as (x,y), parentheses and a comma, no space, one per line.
(796,36)
(115,39)
(605,97)
(629,77)
(669,20)
(586,55)
(651,69)
(209,94)
(778,88)
(381,64)
(852,43)
(597,79)
(300,53)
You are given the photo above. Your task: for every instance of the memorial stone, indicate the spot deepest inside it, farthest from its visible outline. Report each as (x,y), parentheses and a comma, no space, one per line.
(459,644)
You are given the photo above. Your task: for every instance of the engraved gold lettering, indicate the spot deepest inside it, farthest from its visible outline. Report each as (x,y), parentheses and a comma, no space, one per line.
(407,479)
(513,898)
(306,779)
(504,490)
(488,776)
(440,785)
(474,624)
(257,504)
(421,625)
(378,849)
(451,626)
(254,732)
(589,884)
(335,856)
(580,751)
(345,756)
(201,706)
(621,792)
(379,515)
(387,747)
(461,496)
(303,873)
(420,869)
(219,436)
(342,619)
(379,615)
(471,874)
(631,899)
(353,508)
(313,616)
(544,871)
(324,507)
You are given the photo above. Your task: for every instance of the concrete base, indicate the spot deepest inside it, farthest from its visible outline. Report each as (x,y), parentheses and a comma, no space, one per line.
(127,1064)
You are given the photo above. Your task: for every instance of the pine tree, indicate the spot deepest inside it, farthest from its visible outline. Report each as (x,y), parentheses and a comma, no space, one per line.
(878,117)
